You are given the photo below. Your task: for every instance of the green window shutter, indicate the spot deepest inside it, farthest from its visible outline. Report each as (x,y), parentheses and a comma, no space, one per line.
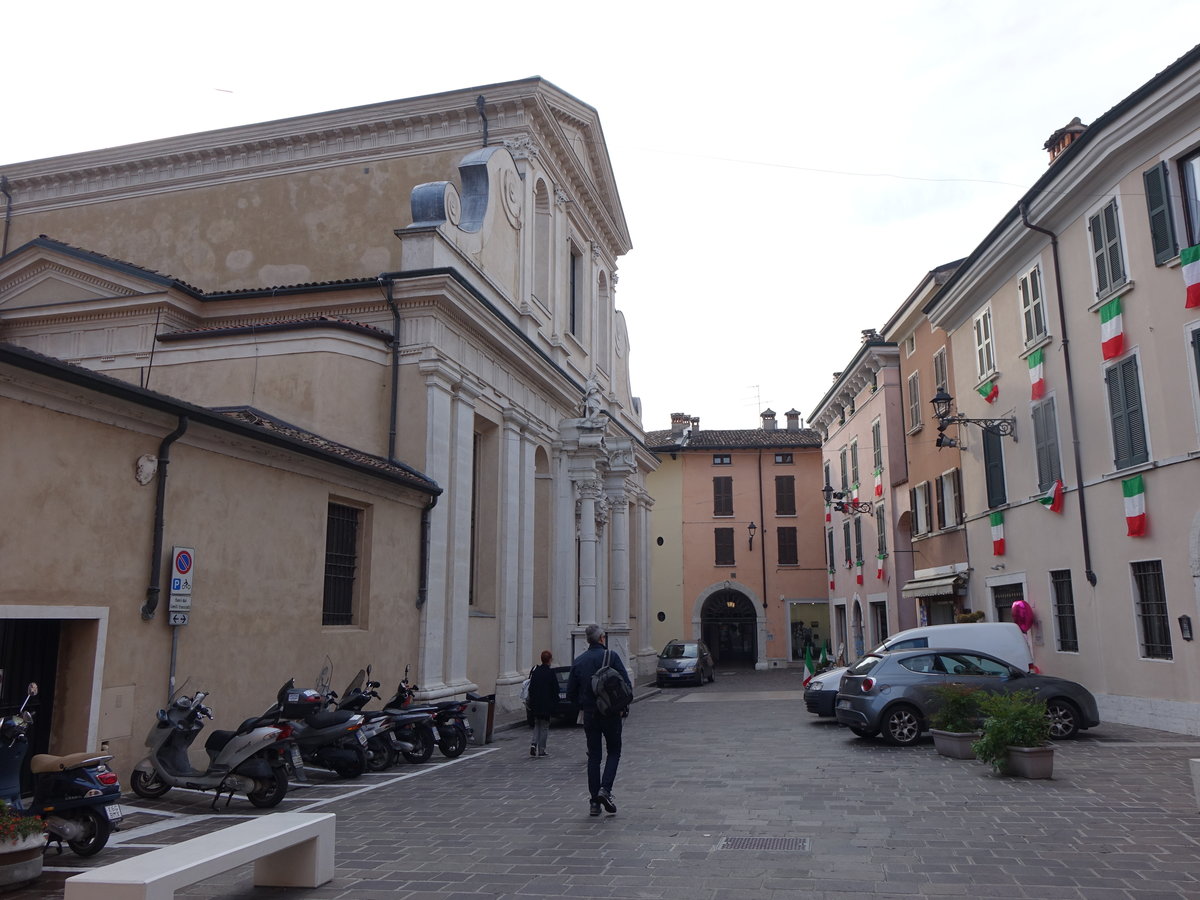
(993,465)
(846,539)
(1125,412)
(1112,235)
(941,502)
(1098,254)
(1158,207)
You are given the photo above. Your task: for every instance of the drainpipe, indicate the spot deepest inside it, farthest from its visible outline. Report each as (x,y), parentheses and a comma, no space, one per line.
(160,502)
(423,585)
(387,293)
(1089,573)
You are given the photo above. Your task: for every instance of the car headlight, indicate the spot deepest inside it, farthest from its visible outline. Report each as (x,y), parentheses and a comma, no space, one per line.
(813,686)
(660,669)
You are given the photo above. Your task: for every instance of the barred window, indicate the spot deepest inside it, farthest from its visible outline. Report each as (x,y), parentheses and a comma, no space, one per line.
(1151,604)
(1064,610)
(341,564)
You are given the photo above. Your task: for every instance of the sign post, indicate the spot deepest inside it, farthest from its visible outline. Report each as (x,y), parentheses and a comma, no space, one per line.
(183,569)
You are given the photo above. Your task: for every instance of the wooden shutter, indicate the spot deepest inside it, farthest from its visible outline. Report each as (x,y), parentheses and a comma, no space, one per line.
(941,502)
(1099,257)
(787,546)
(993,464)
(723,495)
(912,505)
(857,538)
(928,501)
(723,538)
(1112,237)
(785,495)
(1158,207)
(846,539)
(1125,411)
(958,497)
(1045,442)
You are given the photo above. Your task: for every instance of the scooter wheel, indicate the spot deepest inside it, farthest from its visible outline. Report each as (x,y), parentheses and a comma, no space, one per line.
(453,741)
(271,791)
(355,768)
(148,784)
(96,830)
(380,756)
(422,740)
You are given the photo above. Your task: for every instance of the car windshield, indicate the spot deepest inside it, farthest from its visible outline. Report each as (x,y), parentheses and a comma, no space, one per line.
(864,665)
(680,651)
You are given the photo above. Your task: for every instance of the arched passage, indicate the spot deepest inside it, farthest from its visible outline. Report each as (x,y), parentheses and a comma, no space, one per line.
(729,625)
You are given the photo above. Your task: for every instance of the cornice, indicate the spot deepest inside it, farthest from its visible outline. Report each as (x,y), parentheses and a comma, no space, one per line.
(50,267)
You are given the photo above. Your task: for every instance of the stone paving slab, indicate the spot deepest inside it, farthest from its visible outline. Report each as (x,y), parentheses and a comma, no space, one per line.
(734,760)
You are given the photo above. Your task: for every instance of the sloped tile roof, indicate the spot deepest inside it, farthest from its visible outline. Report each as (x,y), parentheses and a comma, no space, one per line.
(277,325)
(733,439)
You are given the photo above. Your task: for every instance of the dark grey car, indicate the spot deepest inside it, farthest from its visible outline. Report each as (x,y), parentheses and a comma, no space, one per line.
(892,693)
(687,661)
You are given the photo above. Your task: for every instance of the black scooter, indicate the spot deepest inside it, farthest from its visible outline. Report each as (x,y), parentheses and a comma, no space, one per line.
(75,795)
(329,740)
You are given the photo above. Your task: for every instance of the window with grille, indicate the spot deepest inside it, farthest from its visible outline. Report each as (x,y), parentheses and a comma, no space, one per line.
(1064,610)
(723,538)
(341,564)
(1033,313)
(1125,413)
(1004,596)
(1151,603)
(785,495)
(723,495)
(788,553)
(1045,443)
(914,400)
(1105,230)
(985,352)
(879,621)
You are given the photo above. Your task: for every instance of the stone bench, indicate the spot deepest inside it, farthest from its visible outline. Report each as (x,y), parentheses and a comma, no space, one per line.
(287,849)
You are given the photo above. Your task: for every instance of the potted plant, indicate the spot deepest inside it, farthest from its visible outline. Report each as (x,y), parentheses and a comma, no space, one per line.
(22,841)
(1016,735)
(954,724)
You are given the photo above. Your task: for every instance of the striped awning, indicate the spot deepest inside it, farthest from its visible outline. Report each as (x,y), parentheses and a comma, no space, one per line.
(938,586)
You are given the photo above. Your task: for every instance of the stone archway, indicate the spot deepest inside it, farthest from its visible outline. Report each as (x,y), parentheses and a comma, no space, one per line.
(729,625)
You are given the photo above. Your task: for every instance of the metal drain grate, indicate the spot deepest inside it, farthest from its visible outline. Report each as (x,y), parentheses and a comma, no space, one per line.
(795,844)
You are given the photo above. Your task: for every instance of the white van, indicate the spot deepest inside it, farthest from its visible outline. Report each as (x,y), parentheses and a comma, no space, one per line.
(1002,639)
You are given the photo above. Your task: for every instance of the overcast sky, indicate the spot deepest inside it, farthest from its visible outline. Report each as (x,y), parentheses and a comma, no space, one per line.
(789,171)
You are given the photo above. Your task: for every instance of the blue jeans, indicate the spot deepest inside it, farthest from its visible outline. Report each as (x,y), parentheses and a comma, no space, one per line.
(608,728)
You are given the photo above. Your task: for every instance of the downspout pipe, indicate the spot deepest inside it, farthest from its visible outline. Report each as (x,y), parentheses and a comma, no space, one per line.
(387,283)
(160,502)
(426,531)
(1088,571)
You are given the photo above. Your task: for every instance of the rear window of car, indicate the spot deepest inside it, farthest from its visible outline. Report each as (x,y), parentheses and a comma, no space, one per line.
(864,665)
(680,651)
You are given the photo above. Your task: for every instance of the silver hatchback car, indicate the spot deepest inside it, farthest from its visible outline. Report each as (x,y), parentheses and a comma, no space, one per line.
(892,693)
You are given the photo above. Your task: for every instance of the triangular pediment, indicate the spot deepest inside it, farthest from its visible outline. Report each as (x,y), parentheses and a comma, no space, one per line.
(41,277)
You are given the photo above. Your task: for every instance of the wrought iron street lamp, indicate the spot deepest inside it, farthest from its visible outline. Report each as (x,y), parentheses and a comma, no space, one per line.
(842,503)
(942,403)
(752,528)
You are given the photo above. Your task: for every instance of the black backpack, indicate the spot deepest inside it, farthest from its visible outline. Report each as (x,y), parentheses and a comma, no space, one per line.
(612,691)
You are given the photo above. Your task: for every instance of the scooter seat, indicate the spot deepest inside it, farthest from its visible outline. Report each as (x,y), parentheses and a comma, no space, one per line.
(45,762)
(217,740)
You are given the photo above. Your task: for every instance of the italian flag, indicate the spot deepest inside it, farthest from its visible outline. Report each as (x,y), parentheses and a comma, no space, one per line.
(1189,259)
(997,520)
(1135,506)
(1037,375)
(1112,329)
(854,492)
(879,566)
(1053,500)
(879,482)
(858,576)
(832,577)
(810,668)
(828,513)
(989,391)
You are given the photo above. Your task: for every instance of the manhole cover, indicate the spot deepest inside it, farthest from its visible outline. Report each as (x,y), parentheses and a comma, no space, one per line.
(764,843)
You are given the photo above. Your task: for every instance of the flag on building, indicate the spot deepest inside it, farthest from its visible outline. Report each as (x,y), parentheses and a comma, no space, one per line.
(1112,329)
(828,513)
(1135,506)
(854,492)
(1037,375)
(879,482)
(823,662)
(997,520)
(1053,498)
(989,391)
(858,567)
(832,578)
(810,668)
(879,565)
(1189,260)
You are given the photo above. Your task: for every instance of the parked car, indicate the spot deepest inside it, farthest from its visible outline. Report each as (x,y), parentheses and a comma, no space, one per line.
(892,693)
(687,661)
(564,711)
(1002,639)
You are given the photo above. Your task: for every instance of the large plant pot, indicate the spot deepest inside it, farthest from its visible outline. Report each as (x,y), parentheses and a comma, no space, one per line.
(21,861)
(1030,762)
(955,744)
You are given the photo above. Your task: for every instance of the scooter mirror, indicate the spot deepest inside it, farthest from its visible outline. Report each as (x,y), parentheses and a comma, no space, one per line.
(33,689)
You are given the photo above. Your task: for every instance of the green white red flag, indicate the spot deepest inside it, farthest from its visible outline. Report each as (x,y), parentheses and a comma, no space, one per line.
(879,565)
(810,668)
(989,391)
(879,482)
(1134,490)
(997,520)
(832,578)
(1112,329)
(828,513)
(1189,262)
(1053,498)
(858,567)
(1037,375)
(824,660)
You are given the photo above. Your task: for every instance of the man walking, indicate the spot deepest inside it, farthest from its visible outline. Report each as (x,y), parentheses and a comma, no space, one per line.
(598,728)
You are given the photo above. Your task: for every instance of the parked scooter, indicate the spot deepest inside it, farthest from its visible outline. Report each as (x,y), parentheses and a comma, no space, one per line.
(391,732)
(452,731)
(76,795)
(331,740)
(254,759)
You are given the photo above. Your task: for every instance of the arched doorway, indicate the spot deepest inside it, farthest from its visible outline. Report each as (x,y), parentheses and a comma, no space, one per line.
(729,625)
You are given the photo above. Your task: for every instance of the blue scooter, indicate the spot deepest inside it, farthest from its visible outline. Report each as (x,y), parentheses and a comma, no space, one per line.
(76,795)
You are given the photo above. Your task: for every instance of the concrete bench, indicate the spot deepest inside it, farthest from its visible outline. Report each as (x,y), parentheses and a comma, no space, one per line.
(287,849)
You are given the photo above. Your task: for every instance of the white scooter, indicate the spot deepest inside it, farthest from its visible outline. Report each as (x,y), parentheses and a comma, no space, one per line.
(255,759)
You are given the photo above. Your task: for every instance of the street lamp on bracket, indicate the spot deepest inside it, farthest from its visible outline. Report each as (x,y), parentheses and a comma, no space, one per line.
(942,402)
(842,503)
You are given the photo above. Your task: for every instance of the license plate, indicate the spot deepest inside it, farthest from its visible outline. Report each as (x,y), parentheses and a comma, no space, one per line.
(114,812)
(436,737)
(297,760)
(362,738)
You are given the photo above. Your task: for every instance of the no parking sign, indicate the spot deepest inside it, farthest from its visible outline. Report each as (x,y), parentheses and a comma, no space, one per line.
(183,569)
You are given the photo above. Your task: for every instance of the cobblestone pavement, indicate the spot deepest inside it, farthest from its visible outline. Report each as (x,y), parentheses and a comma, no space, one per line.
(734,791)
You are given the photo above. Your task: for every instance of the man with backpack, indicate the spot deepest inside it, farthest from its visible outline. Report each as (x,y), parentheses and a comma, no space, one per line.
(601,688)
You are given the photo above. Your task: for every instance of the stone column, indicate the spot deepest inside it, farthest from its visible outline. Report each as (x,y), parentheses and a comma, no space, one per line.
(589,610)
(618,554)
(508,556)
(462,497)
(525,581)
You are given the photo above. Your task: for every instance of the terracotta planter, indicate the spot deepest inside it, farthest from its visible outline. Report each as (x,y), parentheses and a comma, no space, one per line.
(1030,762)
(955,744)
(21,861)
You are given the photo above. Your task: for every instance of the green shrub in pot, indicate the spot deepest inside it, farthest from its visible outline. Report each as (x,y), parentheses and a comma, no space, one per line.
(957,708)
(1010,720)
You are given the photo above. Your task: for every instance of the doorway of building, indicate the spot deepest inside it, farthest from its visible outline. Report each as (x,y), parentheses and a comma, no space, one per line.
(729,626)
(29,652)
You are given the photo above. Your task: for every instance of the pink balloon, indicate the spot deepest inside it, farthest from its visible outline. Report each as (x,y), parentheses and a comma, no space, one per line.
(1022,615)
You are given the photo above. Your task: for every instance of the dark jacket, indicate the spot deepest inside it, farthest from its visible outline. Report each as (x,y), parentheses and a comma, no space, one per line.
(587,664)
(543,692)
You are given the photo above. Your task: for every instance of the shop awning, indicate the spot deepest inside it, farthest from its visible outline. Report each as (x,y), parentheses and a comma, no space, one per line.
(938,586)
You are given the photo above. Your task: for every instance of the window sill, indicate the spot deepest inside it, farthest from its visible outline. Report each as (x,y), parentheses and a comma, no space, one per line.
(915,429)
(991,376)
(1119,291)
(1129,471)
(1036,344)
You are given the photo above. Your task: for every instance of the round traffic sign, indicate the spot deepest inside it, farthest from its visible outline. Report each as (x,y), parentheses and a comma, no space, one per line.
(183,562)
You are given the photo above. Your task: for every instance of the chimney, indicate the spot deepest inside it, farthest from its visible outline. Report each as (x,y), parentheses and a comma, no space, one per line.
(1061,139)
(695,423)
(869,335)
(793,420)
(679,423)
(836,376)
(768,419)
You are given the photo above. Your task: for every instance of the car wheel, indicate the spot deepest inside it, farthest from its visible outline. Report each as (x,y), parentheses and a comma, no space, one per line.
(901,726)
(863,732)
(1064,719)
